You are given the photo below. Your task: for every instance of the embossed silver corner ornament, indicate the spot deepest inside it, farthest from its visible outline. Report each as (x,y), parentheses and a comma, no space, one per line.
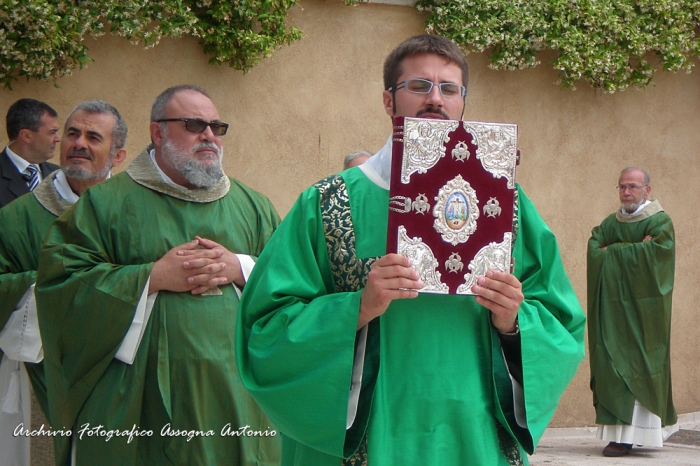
(496,148)
(492,208)
(494,256)
(424,262)
(456,211)
(424,144)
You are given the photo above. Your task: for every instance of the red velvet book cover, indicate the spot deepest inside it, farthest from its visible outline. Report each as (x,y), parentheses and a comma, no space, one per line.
(451,199)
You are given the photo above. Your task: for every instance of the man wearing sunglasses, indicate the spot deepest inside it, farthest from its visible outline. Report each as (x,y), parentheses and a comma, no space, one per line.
(354,366)
(631,263)
(138,294)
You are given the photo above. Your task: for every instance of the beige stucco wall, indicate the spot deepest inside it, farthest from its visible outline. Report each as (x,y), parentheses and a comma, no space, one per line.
(297,114)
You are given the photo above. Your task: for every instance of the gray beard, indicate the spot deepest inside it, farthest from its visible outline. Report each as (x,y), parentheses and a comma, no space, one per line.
(76,172)
(200,174)
(630,208)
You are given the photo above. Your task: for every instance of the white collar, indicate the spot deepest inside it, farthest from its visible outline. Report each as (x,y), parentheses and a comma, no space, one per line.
(63,188)
(646,203)
(60,182)
(166,178)
(378,167)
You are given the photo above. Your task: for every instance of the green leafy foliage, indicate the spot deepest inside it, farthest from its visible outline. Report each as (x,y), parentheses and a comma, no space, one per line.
(608,43)
(43,39)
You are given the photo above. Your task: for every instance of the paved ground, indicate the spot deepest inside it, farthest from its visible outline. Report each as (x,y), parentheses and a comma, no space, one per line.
(580,446)
(686,437)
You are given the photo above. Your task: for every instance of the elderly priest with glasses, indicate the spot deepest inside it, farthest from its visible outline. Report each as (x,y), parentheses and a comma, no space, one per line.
(137,293)
(447,380)
(631,264)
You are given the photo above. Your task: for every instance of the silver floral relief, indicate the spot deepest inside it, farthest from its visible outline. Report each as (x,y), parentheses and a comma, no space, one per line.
(423,144)
(424,262)
(456,211)
(496,148)
(494,256)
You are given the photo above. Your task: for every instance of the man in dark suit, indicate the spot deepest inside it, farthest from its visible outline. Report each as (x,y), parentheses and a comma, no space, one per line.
(32,130)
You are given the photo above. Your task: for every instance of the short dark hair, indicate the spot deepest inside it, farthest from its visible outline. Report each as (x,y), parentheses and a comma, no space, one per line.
(423,44)
(26,114)
(162,101)
(119,130)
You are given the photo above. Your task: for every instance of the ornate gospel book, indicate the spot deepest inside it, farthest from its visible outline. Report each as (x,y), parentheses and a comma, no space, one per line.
(452,199)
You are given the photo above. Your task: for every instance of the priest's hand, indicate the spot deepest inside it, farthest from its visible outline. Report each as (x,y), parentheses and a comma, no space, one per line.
(231,273)
(391,277)
(502,294)
(187,267)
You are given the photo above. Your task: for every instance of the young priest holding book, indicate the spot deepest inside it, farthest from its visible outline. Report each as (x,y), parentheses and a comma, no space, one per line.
(352,364)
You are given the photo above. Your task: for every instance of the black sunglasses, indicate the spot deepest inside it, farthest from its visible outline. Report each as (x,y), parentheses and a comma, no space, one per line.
(195,125)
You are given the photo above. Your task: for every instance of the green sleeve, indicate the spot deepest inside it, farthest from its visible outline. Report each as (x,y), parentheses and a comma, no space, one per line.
(551,327)
(594,261)
(295,337)
(597,242)
(18,256)
(269,221)
(12,287)
(257,209)
(85,304)
(654,258)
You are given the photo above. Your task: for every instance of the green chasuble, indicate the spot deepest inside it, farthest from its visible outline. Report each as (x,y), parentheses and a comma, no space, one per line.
(25,223)
(435,388)
(182,398)
(629,315)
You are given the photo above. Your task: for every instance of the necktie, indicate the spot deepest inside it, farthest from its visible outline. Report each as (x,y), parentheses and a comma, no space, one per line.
(32,177)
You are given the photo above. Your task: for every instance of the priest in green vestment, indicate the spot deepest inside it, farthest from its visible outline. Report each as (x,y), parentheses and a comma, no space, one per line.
(92,143)
(137,296)
(631,262)
(355,367)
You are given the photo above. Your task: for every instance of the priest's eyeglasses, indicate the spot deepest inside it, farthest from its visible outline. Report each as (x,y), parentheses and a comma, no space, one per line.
(423,86)
(632,187)
(196,125)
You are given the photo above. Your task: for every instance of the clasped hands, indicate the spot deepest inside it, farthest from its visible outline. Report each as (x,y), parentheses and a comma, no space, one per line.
(391,277)
(196,266)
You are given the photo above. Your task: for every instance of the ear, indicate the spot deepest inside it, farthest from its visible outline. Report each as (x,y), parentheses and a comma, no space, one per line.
(119,157)
(647,190)
(156,133)
(25,135)
(388,99)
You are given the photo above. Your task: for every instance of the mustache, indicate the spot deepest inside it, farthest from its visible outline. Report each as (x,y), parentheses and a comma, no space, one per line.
(431,109)
(207,145)
(80,152)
